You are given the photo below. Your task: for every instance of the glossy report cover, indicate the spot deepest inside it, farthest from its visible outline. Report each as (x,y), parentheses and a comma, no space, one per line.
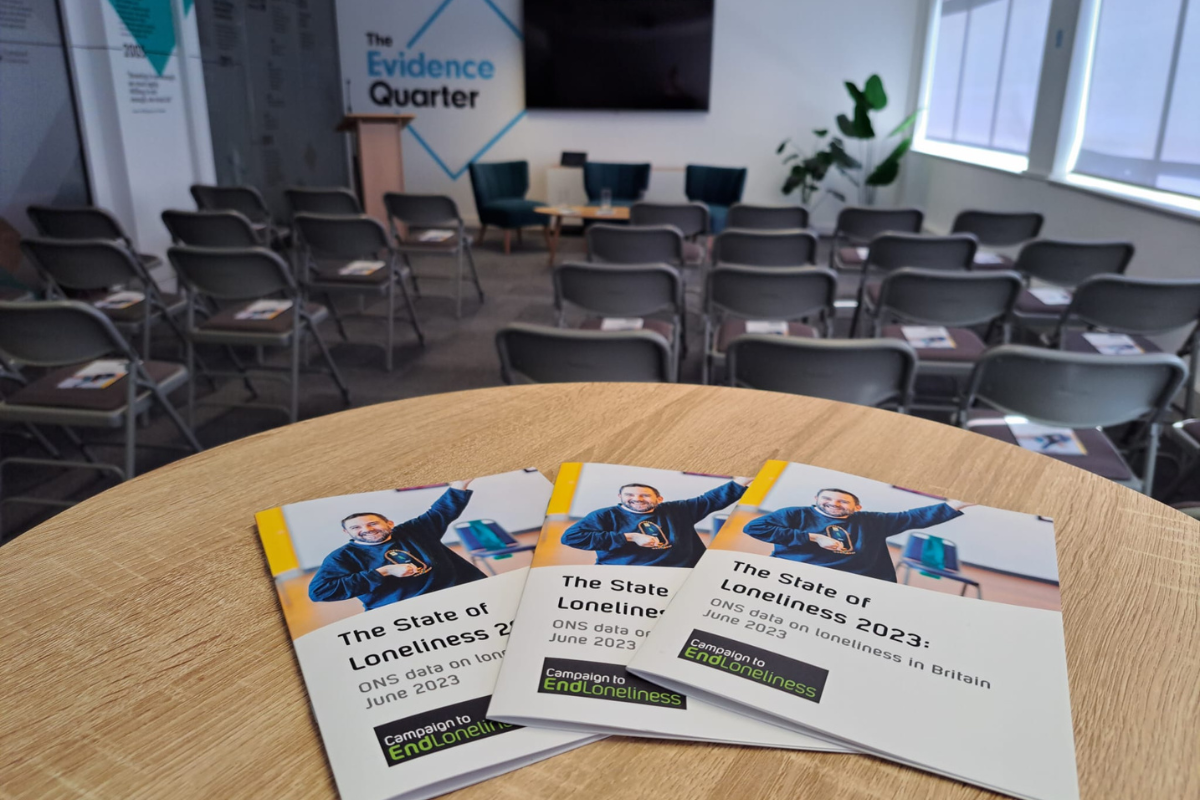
(400,603)
(617,542)
(924,630)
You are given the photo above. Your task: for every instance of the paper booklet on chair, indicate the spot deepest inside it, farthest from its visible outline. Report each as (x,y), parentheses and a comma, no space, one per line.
(434,235)
(1045,439)
(399,620)
(263,309)
(921,630)
(1113,344)
(118,300)
(622,324)
(96,375)
(617,543)
(361,268)
(928,337)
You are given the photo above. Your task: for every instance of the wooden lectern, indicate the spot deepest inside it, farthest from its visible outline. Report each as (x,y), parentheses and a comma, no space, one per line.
(380,159)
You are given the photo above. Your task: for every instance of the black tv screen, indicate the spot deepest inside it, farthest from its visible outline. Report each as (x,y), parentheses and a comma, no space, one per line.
(618,54)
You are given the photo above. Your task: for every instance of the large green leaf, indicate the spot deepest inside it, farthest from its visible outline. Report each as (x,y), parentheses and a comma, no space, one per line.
(820,132)
(874,94)
(794,179)
(782,145)
(837,194)
(862,123)
(855,94)
(906,124)
(841,157)
(846,126)
(889,169)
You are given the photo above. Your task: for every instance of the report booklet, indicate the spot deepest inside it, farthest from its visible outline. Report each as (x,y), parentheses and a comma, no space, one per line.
(922,630)
(617,543)
(399,604)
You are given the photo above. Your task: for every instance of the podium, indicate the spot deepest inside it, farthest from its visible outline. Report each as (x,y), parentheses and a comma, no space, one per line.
(380,158)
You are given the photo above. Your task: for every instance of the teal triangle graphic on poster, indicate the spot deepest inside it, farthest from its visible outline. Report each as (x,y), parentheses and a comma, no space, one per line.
(151,24)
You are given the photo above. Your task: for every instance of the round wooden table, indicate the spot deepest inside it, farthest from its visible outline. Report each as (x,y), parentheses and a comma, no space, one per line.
(559,213)
(145,655)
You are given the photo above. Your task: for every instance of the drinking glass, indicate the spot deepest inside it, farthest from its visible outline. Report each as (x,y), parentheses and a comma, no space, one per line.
(606,199)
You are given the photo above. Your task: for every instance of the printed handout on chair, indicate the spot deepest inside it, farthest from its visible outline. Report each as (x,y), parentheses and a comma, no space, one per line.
(1045,439)
(118,300)
(262,310)
(767,326)
(988,257)
(622,324)
(919,629)
(1050,296)
(434,235)
(400,618)
(361,268)
(1113,344)
(617,543)
(862,253)
(97,375)
(928,337)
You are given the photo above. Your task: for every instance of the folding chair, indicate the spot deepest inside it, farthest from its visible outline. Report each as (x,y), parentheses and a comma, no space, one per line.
(417,221)
(998,229)
(94,266)
(333,200)
(66,336)
(212,229)
(85,222)
(538,354)
(332,246)
(857,226)
(1063,266)
(629,291)
(1138,308)
(627,244)
(246,200)
(1081,391)
(739,300)
(765,248)
(249,275)
(951,300)
(690,219)
(766,218)
(876,373)
(891,251)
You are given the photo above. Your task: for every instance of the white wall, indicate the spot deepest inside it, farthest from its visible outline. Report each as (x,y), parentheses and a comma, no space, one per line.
(777,71)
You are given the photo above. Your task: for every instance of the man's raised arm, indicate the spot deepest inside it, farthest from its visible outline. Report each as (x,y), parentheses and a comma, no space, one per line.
(894,522)
(715,499)
(434,522)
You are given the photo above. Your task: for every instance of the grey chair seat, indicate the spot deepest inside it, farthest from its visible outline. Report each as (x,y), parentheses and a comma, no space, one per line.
(730,329)
(42,402)
(1075,343)
(1029,304)
(660,326)
(225,328)
(1100,458)
(968,347)
(137,312)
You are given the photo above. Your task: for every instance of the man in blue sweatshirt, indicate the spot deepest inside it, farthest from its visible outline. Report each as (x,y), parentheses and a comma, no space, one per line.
(835,532)
(645,531)
(385,562)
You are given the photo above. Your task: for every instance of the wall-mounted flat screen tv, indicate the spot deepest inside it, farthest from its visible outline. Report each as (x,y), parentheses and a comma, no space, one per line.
(639,55)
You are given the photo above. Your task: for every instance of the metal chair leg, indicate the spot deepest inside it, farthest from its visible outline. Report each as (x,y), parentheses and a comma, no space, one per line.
(458,300)
(187,432)
(191,384)
(412,314)
(131,425)
(333,370)
(337,318)
(1152,436)
(391,324)
(294,407)
(474,273)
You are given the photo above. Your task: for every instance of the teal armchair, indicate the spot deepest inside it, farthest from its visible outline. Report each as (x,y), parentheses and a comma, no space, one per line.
(716,187)
(627,182)
(499,189)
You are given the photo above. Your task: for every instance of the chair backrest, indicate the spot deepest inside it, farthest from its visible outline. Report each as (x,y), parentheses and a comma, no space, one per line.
(864,372)
(498,180)
(1070,263)
(999,228)
(1122,304)
(690,218)
(538,354)
(341,235)
(766,218)
(228,274)
(210,228)
(1074,390)
(782,248)
(628,244)
(720,186)
(244,199)
(625,181)
(948,298)
(80,222)
(332,200)
(890,251)
(861,225)
(619,290)
(54,333)
(778,293)
(85,264)
(421,210)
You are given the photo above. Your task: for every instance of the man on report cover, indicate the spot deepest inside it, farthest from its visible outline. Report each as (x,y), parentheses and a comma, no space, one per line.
(384,562)
(835,532)
(645,530)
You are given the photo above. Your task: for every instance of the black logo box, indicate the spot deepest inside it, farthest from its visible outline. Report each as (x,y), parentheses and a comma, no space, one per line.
(768,663)
(473,711)
(617,675)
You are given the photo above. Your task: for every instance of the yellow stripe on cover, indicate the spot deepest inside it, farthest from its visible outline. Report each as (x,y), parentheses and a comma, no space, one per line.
(277,544)
(757,491)
(564,488)
(549,548)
